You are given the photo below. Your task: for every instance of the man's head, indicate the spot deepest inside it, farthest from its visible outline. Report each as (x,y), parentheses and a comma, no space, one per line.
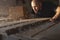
(36,5)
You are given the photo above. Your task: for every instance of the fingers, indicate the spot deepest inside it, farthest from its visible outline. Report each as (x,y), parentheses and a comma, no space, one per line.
(52,20)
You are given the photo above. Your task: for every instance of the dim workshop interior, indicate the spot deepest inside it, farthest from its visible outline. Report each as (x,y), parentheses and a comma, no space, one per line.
(16,23)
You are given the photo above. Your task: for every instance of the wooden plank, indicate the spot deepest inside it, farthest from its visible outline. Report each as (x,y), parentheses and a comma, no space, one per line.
(54,30)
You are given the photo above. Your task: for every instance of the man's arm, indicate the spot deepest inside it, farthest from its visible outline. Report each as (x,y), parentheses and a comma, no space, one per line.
(56,15)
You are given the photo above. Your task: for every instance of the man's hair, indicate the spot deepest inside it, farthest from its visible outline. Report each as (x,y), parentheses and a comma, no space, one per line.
(37,1)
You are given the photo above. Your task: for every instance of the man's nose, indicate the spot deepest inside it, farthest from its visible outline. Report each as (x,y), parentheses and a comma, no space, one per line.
(36,8)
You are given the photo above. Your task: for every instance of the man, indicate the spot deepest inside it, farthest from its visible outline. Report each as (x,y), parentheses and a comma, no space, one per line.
(43,9)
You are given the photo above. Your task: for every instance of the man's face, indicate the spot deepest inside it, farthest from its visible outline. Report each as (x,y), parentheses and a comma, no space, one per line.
(35,7)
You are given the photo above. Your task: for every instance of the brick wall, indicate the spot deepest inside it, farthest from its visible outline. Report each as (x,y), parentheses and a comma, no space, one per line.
(4,7)
(16,12)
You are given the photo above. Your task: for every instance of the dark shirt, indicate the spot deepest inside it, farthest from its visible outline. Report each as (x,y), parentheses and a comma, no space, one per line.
(48,10)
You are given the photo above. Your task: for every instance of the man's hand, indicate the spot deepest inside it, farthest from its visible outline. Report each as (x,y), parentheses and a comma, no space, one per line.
(52,20)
